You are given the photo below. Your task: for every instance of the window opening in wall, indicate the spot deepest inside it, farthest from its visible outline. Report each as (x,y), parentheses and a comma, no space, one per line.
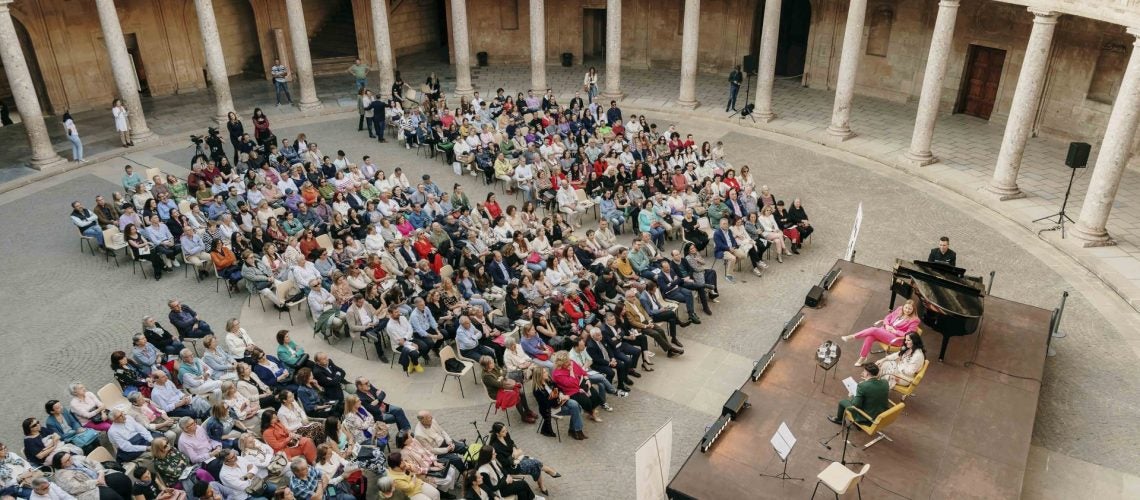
(879,34)
(509,14)
(1108,73)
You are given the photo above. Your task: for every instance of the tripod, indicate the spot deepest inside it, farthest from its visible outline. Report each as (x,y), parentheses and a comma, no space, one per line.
(748,107)
(783,474)
(1061,216)
(846,431)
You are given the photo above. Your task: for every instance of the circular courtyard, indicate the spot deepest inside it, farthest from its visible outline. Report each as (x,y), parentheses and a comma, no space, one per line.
(67,311)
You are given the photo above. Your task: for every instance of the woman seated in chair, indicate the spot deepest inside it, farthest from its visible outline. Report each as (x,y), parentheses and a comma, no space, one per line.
(419,460)
(889,330)
(899,368)
(289,352)
(514,461)
(309,392)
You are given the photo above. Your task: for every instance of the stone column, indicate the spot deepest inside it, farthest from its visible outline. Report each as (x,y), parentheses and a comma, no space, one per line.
(613,51)
(302,61)
(462,49)
(24,93)
(382,40)
(215,59)
(689,39)
(1023,109)
(537,45)
(848,66)
(1112,158)
(123,69)
(766,69)
(932,83)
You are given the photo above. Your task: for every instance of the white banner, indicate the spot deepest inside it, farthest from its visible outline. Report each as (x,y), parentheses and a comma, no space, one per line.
(854,234)
(652,462)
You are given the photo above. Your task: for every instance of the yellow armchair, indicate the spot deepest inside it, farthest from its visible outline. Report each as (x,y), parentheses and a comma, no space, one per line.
(878,423)
(908,390)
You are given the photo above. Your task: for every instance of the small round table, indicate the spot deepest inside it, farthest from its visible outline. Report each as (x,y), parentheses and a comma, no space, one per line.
(826,362)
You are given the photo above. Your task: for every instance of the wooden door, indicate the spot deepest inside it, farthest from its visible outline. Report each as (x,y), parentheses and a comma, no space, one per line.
(593,33)
(982,77)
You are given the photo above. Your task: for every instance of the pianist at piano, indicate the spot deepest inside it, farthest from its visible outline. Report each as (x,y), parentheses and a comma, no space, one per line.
(889,330)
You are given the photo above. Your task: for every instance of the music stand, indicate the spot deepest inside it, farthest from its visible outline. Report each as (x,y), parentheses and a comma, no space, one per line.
(783,441)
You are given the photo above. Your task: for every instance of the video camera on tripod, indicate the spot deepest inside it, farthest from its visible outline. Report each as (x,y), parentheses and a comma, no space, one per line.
(212,139)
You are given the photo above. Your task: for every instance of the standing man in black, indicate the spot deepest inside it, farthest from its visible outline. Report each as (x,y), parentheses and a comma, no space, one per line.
(378,120)
(943,254)
(734,80)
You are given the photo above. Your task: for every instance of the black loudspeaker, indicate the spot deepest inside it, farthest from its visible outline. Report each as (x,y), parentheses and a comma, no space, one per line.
(737,402)
(1078,154)
(814,297)
(751,63)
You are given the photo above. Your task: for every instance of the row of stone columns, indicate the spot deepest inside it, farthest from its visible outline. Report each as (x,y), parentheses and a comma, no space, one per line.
(122,68)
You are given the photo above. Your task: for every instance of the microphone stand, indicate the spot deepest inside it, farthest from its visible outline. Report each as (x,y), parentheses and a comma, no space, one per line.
(846,431)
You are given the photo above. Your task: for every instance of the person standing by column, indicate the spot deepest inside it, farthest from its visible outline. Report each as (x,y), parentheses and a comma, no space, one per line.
(119,111)
(73,136)
(734,80)
(359,72)
(590,83)
(280,83)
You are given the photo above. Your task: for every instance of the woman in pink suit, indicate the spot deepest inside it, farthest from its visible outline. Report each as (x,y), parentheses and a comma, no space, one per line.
(890,330)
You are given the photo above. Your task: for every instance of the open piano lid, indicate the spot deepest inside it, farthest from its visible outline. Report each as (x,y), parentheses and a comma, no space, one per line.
(944,288)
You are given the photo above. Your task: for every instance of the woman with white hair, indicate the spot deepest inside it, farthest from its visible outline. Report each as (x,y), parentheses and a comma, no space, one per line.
(88,408)
(196,376)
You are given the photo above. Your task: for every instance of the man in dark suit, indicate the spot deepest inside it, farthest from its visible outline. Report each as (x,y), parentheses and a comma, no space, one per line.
(943,254)
(378,108)
(672,287)
(604,361)
(870,396)
(372,400)
(658,312)
(330,376)
(622,350)
(499,270)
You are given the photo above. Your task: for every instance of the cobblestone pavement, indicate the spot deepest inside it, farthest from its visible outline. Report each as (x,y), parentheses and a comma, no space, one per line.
(904,215)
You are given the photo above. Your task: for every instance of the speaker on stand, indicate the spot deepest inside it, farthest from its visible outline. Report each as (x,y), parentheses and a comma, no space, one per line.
(1078,157)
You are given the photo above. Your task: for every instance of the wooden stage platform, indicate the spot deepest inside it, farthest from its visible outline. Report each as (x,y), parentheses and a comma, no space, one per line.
(965,434)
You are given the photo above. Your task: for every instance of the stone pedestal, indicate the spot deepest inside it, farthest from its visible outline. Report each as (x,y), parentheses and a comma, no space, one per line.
(613,51)
(1023,109)
(766,68)
(919,153)
(537,46)
(302,61)
(382,39)
(689,41)
(122,69)
(215,59)
(1112,158)
(24,93)
(462,49)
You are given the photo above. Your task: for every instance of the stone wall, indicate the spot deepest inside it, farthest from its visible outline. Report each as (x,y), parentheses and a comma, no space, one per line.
(651,31)
(71,55)
(415,27)
(1066,110)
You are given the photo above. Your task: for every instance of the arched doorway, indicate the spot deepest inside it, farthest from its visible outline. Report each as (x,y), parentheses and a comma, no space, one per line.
(33,68)
(795,23)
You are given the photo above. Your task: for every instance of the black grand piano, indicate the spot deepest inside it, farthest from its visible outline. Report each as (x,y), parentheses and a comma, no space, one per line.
(947,300)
